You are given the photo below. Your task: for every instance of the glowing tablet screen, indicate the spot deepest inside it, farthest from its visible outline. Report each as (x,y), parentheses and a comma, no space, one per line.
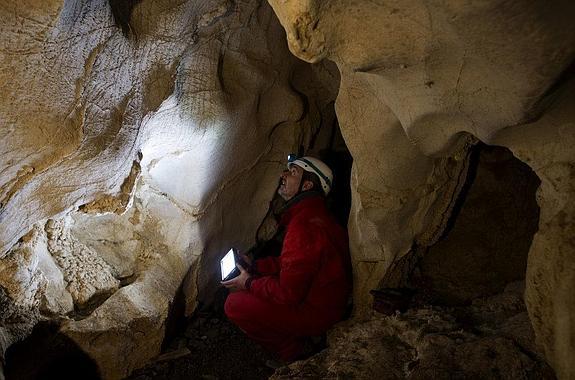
(228,264)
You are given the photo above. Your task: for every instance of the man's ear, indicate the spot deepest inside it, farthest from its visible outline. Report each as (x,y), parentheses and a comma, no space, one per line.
(307,185)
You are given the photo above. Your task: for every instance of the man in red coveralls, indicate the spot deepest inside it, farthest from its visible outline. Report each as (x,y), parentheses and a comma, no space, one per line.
(305,290)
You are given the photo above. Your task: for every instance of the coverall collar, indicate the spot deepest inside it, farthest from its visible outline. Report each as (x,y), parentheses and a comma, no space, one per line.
(300,202)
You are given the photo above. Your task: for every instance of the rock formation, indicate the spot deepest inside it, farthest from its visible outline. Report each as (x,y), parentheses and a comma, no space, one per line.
(141,139)
(131,132)
(419,75)
(432,342)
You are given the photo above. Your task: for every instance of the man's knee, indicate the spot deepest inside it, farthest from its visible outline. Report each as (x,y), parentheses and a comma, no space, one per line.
(235,306)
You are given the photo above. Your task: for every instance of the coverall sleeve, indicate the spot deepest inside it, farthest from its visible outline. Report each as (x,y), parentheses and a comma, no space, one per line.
(299,262)
(268,265)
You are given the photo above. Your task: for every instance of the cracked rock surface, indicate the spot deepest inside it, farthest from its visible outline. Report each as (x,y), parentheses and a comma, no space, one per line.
(86,274)
(130,133)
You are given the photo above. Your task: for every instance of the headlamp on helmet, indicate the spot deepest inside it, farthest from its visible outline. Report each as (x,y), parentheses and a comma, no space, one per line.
(313,165)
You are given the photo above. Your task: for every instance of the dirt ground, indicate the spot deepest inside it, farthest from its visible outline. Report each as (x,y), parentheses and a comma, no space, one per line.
(209,348)
(490,338)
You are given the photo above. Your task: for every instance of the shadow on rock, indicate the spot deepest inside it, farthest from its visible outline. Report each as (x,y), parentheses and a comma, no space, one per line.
(47,354)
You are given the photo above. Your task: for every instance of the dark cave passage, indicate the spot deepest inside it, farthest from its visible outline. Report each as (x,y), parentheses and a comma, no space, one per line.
(487,245)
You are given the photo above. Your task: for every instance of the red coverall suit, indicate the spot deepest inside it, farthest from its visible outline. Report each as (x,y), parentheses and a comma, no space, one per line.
(304,291)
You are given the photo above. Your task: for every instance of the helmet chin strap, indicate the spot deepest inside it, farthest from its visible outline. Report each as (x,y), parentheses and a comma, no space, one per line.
(300,187)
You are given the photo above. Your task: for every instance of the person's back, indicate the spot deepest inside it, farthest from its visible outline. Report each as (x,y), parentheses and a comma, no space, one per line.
(317,233)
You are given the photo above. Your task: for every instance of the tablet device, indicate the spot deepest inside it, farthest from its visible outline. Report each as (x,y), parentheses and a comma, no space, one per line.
(228,266)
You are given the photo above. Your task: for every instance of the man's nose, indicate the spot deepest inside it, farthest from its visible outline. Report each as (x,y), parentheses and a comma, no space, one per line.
(284,173)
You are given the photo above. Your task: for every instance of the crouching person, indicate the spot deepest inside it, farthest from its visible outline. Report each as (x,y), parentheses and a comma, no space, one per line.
(282,301)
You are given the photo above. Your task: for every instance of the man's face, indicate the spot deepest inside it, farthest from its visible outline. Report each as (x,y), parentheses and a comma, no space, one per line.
(290,180)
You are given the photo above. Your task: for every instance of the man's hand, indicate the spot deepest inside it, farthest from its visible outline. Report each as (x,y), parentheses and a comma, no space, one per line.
(246,262)
(238,282)
(246,259)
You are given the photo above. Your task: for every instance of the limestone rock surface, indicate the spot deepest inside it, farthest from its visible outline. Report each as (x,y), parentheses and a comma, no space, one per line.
(32,287)
(141,139)
(491,338)
(422,73)
(87,275)
(131,132)
(547,146)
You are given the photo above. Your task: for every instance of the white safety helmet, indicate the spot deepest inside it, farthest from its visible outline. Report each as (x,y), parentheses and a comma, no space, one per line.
(313,165)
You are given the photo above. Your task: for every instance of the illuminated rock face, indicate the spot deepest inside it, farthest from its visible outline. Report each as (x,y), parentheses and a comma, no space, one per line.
(136,137)
(416,77)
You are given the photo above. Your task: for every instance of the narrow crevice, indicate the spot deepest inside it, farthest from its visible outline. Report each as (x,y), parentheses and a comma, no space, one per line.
(86,309)
(220,72)
(549,96)
(122,12)
(462,196)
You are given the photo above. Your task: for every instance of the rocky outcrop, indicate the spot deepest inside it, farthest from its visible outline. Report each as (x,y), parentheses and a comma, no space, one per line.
(491,338)
(547,146)
(32,288)
(419,74)
(86,274)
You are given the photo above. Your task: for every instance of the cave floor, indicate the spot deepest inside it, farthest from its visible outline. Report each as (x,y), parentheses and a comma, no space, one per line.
(210,347)
(490,339)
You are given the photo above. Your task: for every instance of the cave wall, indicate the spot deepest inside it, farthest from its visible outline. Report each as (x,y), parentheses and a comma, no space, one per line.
(546,144)
(130,134)
(429,71)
